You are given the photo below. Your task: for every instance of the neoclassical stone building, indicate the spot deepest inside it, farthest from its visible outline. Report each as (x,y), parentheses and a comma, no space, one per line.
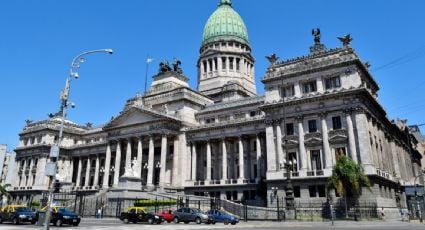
(224,140)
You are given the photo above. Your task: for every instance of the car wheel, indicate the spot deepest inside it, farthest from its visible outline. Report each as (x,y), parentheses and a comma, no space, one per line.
(186,222)
(168,221)
(75,224)
(125,220)
(1,220)
(59,222)
(176,220)
(198,220)
(33,222)
(150,221)
(233,223)
(213,222)
(16,221)
(226,221)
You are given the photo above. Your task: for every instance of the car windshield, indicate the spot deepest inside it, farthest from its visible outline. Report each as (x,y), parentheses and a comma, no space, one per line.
(23,209)
(65,211)
(198,211)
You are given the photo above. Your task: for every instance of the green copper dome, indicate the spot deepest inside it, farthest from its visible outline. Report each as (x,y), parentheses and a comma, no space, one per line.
(225,23)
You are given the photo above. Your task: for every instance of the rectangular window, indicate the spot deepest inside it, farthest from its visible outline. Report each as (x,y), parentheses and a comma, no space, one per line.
(290,129)
(333,82)
(312,126)
(231,63)
(252,113)
(293,161)
(316,161)
(223,63)
(340,152)
(312,190)
(211,64)
(204,64)
(215,64)
(297,191)
(287,91)
(238,64)
(336,123)
(310,86)
(322,190)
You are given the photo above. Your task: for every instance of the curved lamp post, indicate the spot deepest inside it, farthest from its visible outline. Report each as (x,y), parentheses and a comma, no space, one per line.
(54,152)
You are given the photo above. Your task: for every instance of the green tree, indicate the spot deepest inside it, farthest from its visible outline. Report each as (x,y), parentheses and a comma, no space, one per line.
(3,191)
(348,179)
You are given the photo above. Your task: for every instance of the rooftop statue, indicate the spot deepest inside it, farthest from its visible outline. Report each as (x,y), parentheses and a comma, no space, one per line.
(177,66)
(316,35)
(164,67)
(273,58)
(346,40)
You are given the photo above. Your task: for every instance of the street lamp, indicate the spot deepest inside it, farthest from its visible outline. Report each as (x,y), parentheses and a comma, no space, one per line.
(51,168)
(289,196)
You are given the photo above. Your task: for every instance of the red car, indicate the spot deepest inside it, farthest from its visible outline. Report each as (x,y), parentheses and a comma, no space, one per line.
(167,215)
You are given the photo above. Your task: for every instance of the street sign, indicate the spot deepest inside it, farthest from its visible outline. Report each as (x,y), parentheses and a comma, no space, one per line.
(54,151)
(50,169)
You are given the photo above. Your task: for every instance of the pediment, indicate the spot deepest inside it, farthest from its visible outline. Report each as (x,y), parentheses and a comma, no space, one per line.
(134,116)
(338,139)
(313,141)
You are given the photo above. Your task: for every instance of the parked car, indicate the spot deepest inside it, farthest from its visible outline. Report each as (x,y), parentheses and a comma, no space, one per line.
(223,217)
(17,214)
(187,215)
(61,215)
(138,214)
(167,215)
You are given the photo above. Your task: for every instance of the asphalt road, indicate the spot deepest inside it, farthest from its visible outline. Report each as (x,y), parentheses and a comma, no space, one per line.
(114,224)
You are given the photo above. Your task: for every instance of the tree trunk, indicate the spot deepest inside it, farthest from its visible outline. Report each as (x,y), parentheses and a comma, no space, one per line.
(346,207)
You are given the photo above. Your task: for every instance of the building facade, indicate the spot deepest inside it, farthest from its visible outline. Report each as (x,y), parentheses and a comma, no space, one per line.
(223,140)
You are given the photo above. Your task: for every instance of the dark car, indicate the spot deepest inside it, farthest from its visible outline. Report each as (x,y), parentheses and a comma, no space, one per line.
(187,215)
(65,216)
(137,215)
(17,214)
(62,215)
(223,217)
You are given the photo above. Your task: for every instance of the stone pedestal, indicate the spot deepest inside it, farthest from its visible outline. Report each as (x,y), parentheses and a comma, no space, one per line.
(290,214)
(130,183)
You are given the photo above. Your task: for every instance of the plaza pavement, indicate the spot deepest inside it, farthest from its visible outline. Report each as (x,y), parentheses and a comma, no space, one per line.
(114,224)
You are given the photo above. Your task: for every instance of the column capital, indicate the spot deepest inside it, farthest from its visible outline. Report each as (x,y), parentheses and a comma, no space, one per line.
(299,118)
(323,114)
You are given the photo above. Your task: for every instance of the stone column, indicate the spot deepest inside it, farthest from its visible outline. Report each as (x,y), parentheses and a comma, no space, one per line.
(365,149)
(23,181)
(258,157)
(279,143)
(194,166)
(150,161)
(107,166)
(302,152)
(176,157)
(220,64)
(117,164)
(351,139)
(80,166)
(224,160)
(96,172)
(71,170)
(88,166)
(139,159)
(241,159)
(208,65)
(30,178)
(271,147)
(164,148)
(208,176)
(326,147)
(128,159)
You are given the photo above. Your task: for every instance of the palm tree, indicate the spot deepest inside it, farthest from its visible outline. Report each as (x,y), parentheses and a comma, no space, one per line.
(348,178)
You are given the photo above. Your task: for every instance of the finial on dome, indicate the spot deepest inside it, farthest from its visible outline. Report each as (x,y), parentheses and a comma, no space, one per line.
(225,2)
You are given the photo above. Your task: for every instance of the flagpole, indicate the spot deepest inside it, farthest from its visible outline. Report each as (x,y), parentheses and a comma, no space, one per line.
(146,74)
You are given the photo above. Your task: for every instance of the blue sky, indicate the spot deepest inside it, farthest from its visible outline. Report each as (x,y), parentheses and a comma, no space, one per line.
(39,38)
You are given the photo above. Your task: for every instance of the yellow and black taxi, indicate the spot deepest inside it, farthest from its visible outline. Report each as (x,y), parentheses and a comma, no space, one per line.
(139,214)
(62,215)
(17,214)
